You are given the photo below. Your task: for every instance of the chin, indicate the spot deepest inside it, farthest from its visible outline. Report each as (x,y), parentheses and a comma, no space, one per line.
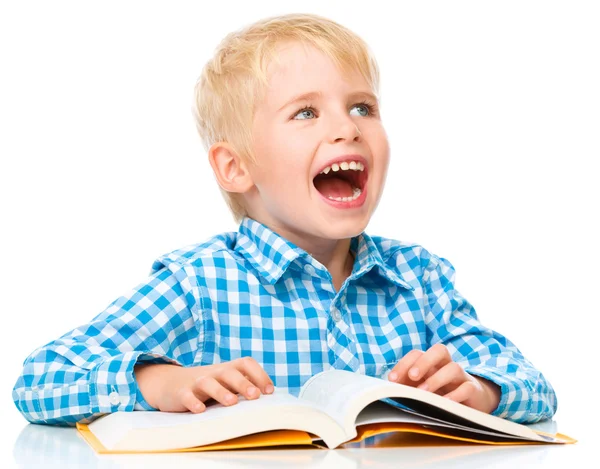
(349,228)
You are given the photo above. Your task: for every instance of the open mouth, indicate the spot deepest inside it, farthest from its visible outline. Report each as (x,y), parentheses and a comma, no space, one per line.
(342,182)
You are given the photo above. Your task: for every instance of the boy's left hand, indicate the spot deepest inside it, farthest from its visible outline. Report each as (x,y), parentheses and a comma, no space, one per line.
(435,371)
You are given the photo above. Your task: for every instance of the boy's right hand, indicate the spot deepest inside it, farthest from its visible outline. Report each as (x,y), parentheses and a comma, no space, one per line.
(172,388)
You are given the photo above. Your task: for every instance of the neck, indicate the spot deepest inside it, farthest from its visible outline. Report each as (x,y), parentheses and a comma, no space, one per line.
(337,259)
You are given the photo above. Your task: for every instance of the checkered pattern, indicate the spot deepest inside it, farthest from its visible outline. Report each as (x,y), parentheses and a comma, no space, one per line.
(252,293)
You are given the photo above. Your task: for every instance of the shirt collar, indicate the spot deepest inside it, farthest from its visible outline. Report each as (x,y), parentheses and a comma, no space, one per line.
(367,255)
(271,254)
(268,252)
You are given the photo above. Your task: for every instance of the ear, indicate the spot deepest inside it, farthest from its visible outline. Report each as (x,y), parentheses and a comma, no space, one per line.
(231,172)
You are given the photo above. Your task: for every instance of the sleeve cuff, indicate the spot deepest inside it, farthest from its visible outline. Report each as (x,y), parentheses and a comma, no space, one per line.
(508,387)
(113,386)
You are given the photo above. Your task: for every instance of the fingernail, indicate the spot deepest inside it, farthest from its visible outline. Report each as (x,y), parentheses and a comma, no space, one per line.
(423,386)
(414,372)
(229,397)
(393,376)
(269,389)
(251,391)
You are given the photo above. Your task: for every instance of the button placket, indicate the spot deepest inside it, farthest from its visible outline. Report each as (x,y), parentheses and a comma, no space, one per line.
(342,346)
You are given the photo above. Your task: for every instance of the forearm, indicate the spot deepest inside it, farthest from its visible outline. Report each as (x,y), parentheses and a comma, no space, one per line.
(90,370)
(525,395)
(54,390)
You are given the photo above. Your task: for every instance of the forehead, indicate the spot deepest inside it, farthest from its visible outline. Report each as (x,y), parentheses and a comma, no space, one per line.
(300,68)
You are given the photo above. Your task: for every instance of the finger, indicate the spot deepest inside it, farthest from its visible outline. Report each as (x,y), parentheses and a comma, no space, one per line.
(451,373)
(437,356)
(255,373)
(400,371)
(190,401)
(235,381)
(463,392)
(212,388)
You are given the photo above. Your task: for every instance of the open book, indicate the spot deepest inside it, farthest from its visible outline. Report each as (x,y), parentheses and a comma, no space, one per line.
(334,407)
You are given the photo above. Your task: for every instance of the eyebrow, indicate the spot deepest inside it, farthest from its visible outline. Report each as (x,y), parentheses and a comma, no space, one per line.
(319,94)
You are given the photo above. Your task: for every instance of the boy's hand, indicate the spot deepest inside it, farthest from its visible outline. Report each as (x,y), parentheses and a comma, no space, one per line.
(435,371)
(172,388)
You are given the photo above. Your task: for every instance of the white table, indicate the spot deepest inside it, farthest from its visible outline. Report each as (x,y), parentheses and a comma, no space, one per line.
(37,446)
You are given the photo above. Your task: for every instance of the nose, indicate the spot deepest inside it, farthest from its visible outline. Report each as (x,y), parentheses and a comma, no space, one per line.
(346,129)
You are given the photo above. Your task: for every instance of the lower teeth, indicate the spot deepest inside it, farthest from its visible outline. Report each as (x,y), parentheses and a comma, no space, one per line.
(356,195)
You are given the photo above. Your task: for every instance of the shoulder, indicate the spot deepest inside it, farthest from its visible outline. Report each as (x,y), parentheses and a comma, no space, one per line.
(221,246)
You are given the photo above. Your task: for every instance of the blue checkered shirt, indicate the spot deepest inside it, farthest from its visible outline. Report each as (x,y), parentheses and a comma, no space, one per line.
(253,293)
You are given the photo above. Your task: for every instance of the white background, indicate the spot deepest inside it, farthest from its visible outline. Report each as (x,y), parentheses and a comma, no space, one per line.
(492,111)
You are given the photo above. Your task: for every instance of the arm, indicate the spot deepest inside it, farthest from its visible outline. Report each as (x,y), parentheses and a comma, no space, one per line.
(525,395)
(90,370)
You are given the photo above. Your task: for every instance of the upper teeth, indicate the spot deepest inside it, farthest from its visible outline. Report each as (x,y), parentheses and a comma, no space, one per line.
(345,165)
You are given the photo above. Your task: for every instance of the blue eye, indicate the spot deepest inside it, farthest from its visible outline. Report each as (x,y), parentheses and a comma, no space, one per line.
(366,106)
(370,110)
(304,110)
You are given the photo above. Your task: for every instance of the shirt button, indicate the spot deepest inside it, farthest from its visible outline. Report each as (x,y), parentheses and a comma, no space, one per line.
(335,314)
(309,269)
(114,398)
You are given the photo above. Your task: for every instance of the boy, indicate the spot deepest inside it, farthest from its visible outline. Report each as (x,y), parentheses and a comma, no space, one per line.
(288,112)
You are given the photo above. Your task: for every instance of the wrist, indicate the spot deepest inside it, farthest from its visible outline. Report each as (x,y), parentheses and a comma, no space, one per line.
(492,393)
(151,378)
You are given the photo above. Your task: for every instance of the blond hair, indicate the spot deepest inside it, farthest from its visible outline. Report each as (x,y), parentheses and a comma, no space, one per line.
(234,80)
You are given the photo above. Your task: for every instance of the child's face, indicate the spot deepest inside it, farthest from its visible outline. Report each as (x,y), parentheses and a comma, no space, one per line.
(292,147)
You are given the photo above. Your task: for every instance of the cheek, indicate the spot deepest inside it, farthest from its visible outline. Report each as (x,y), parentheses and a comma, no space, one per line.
(280,177)
(381,149)
(382,142)
(285,162)
(381,154)
(278,145)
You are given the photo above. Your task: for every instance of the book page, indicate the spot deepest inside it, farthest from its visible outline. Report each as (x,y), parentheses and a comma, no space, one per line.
(344,394)
(153,430)
(336,392)
(382,412)
(379,412)
(152,419)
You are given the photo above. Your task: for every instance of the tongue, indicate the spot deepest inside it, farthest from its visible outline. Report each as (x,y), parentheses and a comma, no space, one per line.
(334,187)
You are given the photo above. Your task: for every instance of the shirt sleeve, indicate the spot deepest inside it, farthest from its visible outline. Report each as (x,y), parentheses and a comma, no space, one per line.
(526,395)
(89,371)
